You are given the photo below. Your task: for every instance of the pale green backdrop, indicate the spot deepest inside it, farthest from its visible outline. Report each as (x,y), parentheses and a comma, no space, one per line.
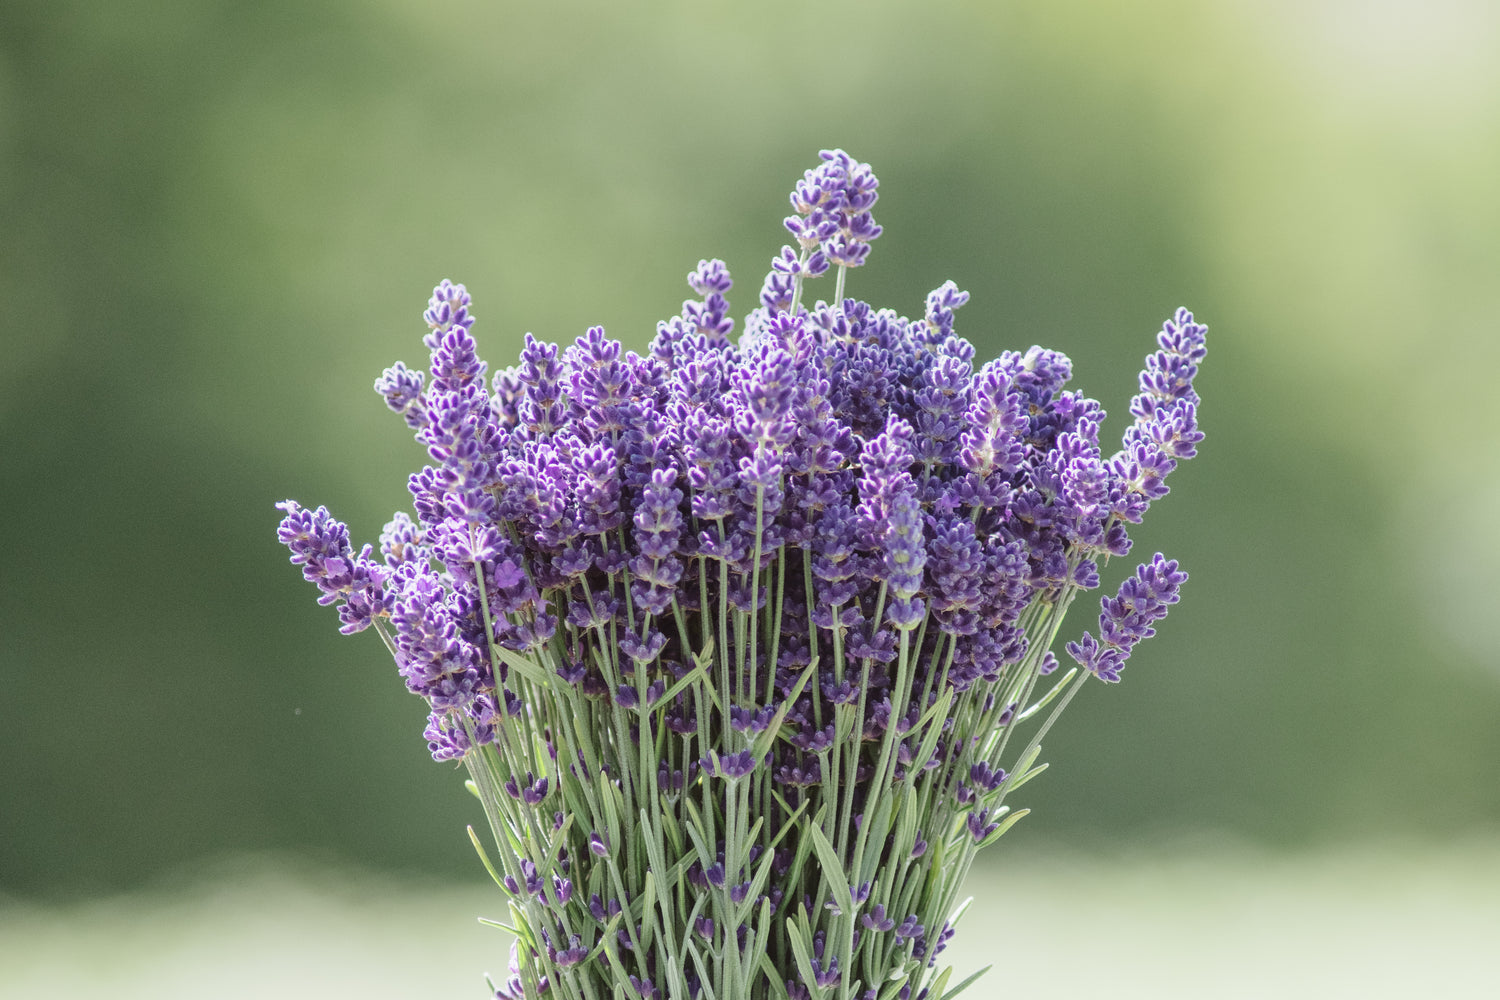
(219,222)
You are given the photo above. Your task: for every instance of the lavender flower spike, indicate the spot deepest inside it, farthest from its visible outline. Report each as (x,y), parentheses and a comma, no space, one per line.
(320,545)
(1142,600)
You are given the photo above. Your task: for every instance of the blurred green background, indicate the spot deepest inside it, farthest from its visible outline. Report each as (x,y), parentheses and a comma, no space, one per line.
(220,221)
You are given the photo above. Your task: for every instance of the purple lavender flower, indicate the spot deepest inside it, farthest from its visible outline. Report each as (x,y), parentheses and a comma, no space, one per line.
(1165,430)
(732,766)
(876,920)
(658,526)
(320,545)
(1127,618)
(819,563)
(905,557)
(570,956)
(845,191)
(996,421)
(402,389)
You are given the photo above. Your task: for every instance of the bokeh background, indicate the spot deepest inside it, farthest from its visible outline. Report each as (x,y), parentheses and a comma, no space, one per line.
(220,221)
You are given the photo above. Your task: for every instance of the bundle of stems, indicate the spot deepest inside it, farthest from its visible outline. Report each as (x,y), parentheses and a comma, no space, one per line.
(746,644)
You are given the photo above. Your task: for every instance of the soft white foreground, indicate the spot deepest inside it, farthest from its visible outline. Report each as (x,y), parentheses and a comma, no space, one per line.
(1365,923)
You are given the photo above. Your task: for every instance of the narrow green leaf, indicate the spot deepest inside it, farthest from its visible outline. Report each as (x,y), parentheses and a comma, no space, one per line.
(790,821)
(939,707)
(701,670)
(523,930)
(608,935)
(764,741)
(485,859)
(1000,830)
(906,819)
(555,845)
(653,851)
(698,904)
(762,934)
(757,884)
(701,846)
(613,802)
(966,983)
(773,976)
(597,883)
(621,976)
(843,722)
(705,660)
(517,845)
(704,979)
(875,830)
(497,924)
(648,913)
(473,789)
(1024,764)
(833,871)
(803,849)
(751,834)
(672,830)
(899,978)
(528,669)
(804,959)
(1011,786)
(1046,699)
(673,875)
(934,730)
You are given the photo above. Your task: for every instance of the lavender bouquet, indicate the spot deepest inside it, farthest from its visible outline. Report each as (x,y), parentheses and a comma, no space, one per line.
(745,643)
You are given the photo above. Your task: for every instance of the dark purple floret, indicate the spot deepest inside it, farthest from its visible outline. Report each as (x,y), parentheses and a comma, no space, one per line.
(876,920)
(570,956)
(730,765)
(937,945)
(983,776)
(746,720)
(829,976)
(980,826)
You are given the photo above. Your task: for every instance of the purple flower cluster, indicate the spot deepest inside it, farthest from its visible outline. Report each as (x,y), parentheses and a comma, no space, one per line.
(811,563)
(832,224)
(1142,599)
(320,545)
